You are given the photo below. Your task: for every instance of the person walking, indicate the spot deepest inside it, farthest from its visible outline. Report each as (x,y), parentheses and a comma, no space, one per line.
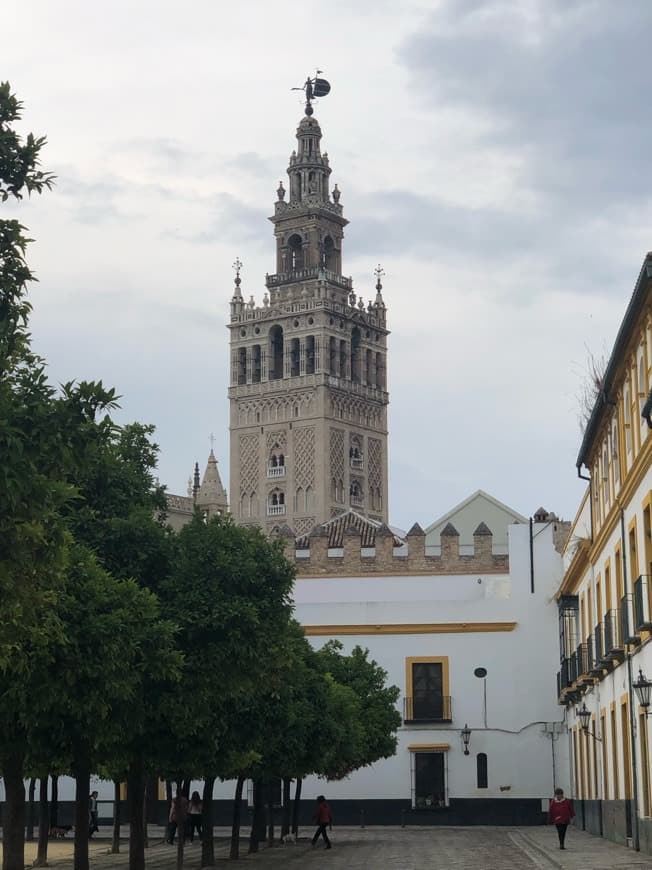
(93,814)
(194,816)
(560,814)
(323,818)
(178,807)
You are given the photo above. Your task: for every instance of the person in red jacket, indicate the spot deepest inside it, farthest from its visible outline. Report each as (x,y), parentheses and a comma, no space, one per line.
(560,814)
(323,818)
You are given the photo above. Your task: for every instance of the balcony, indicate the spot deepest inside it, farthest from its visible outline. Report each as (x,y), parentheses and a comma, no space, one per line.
(357,501)
(597,667)
(627,629)
(642,618)
(357,462)
(613,644)
(433,708)
(296,275)
(275,471)
(275,510)
(583,668)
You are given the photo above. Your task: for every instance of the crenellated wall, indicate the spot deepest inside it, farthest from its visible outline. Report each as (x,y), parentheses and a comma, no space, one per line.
(386,558)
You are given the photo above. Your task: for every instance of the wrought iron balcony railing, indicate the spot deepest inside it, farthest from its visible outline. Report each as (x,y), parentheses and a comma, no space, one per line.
(627,627)
(613,643)
(429,708)
(642,616)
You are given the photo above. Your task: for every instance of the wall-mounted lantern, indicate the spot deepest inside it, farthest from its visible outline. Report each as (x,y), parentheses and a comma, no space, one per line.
(643,688)
(585,720)
(466,737)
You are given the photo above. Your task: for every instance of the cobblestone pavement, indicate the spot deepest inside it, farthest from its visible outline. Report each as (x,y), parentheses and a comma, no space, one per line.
(393,848)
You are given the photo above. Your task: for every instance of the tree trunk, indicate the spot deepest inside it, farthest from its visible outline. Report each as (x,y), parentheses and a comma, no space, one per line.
(258,820)
(135,794)
(207,837)
(181,824)
(269,800)
(82,792)
(145,831)
(54,802)
(287,807)
(43,824)
(296,806)
(29,832)
(13,817)
(152,800)
(235,824)
(115,843)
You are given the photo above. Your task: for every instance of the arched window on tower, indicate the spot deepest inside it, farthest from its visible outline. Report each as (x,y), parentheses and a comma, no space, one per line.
(276,503)
(276,353)
(255,364)
(369,368)
(332,355)
(295,357)
(242,365)
(310,355)
(295,248)
(355,452)
(355,355)
(380,371)
(330,254)
(355,493)
(276,462)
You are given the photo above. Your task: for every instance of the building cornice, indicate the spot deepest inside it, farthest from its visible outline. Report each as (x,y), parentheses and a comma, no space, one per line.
(409,628)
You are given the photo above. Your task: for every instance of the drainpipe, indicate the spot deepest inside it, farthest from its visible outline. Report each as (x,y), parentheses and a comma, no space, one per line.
(531,559)
(630,692)
(585,477)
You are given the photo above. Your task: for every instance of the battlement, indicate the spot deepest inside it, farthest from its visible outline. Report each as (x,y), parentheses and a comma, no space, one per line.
(350,545)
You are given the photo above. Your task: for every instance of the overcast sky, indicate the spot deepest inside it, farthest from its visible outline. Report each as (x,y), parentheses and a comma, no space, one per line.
(493,155)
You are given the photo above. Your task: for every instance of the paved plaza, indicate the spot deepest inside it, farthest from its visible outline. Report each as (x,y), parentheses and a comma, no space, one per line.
(389,848)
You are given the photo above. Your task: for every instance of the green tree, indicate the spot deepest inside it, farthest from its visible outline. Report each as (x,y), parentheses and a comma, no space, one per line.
(228,593)
(32,537)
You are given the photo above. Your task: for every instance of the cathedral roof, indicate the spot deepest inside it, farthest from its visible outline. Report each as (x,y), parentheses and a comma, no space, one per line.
(349,523)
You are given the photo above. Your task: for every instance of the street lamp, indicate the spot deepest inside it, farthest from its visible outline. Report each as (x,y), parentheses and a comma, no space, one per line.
(466,737)
(643,689)
(585,718)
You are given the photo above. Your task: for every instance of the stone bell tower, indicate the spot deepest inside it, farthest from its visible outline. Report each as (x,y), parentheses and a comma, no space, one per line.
(308,391)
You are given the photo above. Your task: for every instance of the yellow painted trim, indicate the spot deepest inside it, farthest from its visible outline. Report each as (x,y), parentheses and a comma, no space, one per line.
(634,560)
(576,570)
(592,553)
(410,628)
(429,747)
(435,660)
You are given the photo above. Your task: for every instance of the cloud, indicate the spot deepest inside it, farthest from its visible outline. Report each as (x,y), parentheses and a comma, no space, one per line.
(229,219)
(564,82)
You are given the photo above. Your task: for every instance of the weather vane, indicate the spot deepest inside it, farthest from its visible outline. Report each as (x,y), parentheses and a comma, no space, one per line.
(379,273)
(314,88)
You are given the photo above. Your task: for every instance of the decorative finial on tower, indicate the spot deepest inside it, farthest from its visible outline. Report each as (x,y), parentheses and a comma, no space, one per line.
(280,192)
(189,487)
(237,265)
(379,273)
(337,193)
(195,485)
(211,438)
(314,88)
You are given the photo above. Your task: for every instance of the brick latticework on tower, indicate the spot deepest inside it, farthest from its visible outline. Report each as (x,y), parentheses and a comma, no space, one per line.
(308,390)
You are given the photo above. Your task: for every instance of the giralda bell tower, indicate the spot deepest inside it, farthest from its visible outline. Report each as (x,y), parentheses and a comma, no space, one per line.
(308,391)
